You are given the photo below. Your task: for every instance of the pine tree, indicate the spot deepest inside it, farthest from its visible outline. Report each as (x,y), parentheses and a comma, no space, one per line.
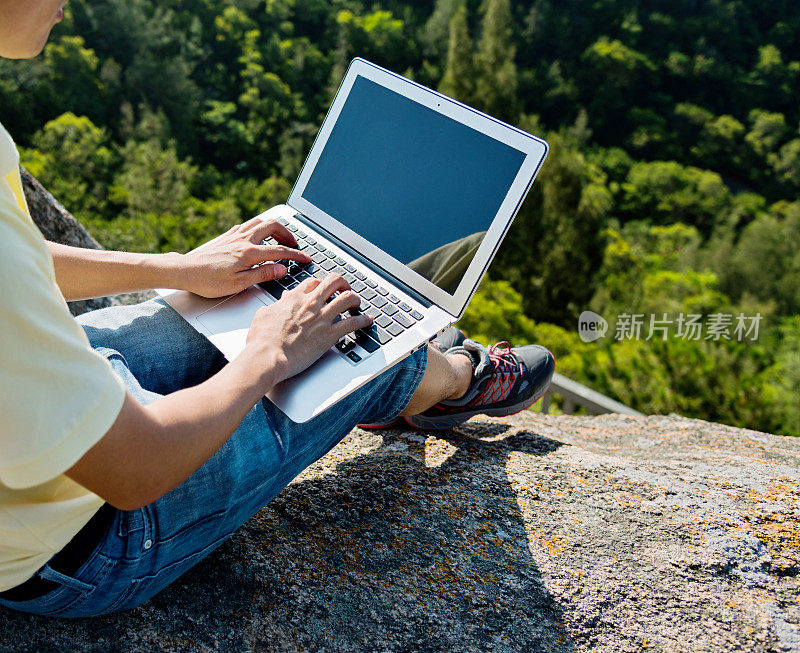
(459,75)
(433,36)
(496,87)
(341,60)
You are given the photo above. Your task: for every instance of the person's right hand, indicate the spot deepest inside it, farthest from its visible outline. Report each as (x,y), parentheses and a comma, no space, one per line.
(300,327)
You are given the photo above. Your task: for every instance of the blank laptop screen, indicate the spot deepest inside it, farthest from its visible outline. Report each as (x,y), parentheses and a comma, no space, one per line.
(419,185)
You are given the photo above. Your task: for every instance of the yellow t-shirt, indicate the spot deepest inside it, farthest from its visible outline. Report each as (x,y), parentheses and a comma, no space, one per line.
(58,397)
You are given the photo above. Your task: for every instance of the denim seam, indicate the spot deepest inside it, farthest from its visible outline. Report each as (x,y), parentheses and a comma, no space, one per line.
(46,602)
(41,601)
(82,598)
(124,596)
(172,564)
(202,520)
(55,576)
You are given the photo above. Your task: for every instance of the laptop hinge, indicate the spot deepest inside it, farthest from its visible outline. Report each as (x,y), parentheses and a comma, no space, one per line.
(365,261)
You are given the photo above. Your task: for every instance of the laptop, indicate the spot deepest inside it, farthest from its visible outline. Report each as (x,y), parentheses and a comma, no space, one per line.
(408,195)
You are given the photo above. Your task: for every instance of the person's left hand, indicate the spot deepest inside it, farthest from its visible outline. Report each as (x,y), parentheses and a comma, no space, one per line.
(226,266)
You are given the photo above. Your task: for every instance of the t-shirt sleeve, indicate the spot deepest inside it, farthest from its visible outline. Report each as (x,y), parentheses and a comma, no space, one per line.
(58,397)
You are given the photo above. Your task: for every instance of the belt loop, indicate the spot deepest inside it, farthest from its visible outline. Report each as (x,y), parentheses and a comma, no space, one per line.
(48,573)
(133,522)
(138,520)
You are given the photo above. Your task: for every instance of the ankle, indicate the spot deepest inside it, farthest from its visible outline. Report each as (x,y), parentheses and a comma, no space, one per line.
(461,366)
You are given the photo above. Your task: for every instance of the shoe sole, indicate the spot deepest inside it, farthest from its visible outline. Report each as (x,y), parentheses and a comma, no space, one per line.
(380,427)
(445,422)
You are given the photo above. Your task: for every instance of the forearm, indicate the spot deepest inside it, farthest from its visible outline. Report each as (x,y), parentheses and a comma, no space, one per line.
(88,273)
(194,423)
(152,449)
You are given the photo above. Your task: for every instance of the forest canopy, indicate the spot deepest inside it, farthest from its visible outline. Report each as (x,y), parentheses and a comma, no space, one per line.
(671,188)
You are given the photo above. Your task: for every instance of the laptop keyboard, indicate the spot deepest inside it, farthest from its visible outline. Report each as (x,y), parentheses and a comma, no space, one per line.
(391,316)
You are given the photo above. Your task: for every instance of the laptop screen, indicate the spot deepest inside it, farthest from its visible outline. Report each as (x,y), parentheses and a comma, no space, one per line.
(419,185)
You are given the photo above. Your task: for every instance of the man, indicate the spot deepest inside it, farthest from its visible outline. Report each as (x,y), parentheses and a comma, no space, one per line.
(129,448)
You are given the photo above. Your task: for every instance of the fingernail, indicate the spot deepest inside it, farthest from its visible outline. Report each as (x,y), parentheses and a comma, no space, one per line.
(279,270)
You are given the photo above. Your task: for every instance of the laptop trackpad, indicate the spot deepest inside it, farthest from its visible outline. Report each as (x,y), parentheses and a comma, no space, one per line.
(227,323)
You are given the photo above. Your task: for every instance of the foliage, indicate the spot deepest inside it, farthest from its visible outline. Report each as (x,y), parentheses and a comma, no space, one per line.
(557,237)
(458,80)
(495,313)
(671,184)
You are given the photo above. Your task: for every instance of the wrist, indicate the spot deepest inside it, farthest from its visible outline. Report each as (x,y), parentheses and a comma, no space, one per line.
(267,364)
(174,272)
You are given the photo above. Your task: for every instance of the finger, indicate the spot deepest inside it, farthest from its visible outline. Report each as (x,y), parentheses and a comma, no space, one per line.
(308,285)
(262,273)
(331,284)
(266,228)
(252,222)
(260,253)
(341,303)
(350,324)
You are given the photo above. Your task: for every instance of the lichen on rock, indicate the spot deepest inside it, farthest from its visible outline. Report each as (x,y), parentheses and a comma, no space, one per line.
(528,533)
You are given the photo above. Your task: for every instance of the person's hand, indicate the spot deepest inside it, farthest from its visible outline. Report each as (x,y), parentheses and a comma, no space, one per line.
(226,267)
(299,328)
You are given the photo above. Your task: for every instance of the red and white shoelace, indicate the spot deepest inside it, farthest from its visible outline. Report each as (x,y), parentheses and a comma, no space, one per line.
(507,369)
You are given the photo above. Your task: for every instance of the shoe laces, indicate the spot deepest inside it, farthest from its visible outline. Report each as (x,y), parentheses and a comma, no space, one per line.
(506,369)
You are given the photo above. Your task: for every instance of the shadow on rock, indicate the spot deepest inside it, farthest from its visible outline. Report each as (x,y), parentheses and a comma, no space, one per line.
(395,541)
(418,543)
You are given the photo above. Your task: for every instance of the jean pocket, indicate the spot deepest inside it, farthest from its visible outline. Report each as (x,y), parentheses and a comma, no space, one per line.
(47,604)
(72,592)
(152,584)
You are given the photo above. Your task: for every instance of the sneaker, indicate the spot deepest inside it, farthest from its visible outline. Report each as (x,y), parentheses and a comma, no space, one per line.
(505,381)
(453,337)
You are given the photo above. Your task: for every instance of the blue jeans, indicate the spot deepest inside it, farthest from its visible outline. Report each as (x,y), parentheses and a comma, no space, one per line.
(156,352)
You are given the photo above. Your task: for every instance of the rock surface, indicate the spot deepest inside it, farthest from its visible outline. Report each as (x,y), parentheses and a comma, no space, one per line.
(530,533)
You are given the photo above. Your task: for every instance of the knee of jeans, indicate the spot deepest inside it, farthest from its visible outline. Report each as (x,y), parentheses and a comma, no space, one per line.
(110,354)
(115,324)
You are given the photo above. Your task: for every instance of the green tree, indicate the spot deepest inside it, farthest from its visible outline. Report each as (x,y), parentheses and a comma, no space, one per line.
(73,160)
(767,130)
(786,164)
(667,192)
(622,71)
(152,179)
(651,270)
(781,380)
(496,85)
(765,262)
(74,78)
(225,136)
(458,80)
(555,246)
(495,313)
(434,34)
